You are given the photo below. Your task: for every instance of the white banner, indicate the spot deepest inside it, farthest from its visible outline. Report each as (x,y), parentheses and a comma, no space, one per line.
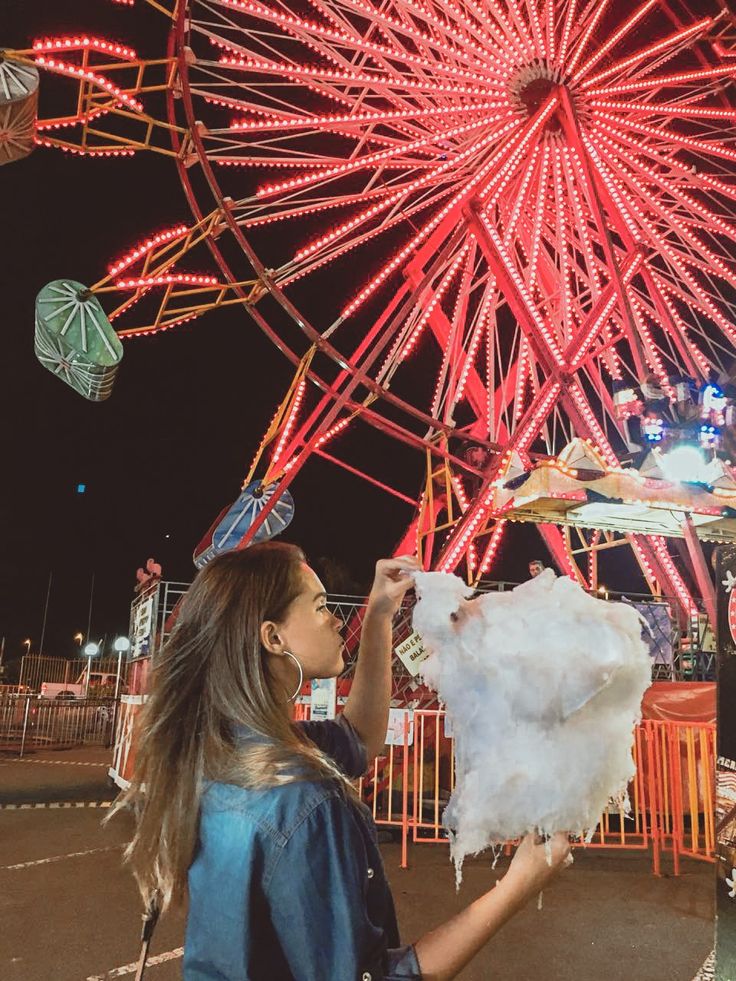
(395,732)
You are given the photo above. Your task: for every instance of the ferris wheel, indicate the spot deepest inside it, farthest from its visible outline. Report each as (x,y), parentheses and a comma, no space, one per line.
(480,228)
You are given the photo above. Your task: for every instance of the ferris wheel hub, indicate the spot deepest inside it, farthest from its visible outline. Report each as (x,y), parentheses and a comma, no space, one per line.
(531,87)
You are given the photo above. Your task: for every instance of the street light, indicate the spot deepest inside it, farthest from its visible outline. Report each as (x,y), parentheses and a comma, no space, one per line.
(79,637)
(27,642)
(90,650)
(122,646)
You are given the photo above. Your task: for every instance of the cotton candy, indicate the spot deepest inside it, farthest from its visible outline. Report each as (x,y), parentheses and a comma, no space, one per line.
(543,686)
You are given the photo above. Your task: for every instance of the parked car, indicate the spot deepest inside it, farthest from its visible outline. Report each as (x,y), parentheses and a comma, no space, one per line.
(100,684)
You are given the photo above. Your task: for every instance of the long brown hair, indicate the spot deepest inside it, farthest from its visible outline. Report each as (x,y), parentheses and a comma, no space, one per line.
(211,675)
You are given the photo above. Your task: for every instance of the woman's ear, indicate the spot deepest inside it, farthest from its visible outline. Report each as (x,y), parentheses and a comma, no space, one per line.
(270,638)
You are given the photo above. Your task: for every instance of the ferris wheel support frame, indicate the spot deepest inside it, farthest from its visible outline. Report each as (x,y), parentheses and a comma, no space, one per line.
(559,385)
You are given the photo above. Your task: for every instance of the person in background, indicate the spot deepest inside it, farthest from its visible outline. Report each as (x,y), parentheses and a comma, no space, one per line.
(536,567)
(254,818)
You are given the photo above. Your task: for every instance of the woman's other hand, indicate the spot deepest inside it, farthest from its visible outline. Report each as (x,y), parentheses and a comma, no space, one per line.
(393,579)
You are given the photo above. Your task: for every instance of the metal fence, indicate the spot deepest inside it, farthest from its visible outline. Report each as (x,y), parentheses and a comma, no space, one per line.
(27,721)
(35,669)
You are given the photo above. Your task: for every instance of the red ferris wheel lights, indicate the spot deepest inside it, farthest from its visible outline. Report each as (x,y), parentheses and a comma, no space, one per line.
(567,31)
(695,351)
(337,428)
(711,259)
(382,157)
(601,441)
(652,49)
(670,568)
(695,112)
(650,351)
(341,119)
(522,371)
(528,434)
(320,442)
(156,328)
(621,146)
(492,546)
(290,421)
(146,246)
(170,279)
(78,151)
(47,45)
(444,285)
(64,68)
(472,351)
(610,185)
(396,196)
(43,126)
(614,39)
(296,26)
(464,195)
(296,72)
(583,42)
(468,532)
(523,291)
(662,81)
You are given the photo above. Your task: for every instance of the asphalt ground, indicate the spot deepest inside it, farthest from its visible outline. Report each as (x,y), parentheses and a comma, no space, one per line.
(69,910)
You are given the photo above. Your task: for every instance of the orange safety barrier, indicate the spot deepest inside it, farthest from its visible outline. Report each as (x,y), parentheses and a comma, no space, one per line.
(681,790)
(672,796)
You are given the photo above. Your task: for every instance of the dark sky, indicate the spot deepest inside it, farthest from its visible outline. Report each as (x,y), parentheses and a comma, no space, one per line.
(171,446)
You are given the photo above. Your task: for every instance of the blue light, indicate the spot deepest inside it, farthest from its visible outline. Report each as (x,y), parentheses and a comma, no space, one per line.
(652,428)
(81,488)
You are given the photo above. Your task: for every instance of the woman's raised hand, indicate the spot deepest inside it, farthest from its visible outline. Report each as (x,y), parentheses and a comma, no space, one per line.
(535,862)
(394,577)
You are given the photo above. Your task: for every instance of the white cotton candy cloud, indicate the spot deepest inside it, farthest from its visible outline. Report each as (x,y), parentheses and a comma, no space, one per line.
(543,686)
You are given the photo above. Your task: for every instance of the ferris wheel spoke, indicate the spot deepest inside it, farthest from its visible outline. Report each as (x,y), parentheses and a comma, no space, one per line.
(671,43)
(683,79)
(698,254)
(613,40)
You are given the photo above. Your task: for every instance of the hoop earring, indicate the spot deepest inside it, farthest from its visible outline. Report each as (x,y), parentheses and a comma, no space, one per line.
(301,677)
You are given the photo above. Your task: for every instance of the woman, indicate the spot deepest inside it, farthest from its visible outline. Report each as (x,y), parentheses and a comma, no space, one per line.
(254,817)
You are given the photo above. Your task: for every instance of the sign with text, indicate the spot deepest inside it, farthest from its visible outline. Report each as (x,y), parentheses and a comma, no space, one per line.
(143,619)
(324,698)
(412,653)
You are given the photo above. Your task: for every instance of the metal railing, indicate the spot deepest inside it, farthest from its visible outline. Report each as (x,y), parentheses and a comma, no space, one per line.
(27,721)
(36,669)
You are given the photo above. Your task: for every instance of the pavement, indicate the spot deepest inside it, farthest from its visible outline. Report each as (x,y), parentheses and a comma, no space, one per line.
(69,909)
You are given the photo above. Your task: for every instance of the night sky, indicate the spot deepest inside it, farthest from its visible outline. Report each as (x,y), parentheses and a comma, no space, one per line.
(171,446)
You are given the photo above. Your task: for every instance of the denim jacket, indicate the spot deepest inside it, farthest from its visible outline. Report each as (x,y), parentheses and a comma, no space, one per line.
(288,883)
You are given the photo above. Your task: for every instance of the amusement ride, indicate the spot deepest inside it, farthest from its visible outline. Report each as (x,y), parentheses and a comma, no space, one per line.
(501,233)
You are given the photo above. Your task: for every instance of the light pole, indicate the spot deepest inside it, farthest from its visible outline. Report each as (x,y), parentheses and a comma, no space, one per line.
(23,666)
(121,645)
(90,650)
(79,637)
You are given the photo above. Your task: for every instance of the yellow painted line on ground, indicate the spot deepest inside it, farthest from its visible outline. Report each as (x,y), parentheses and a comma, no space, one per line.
(119,972)
(57,858)
(54,804)
(55,762)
